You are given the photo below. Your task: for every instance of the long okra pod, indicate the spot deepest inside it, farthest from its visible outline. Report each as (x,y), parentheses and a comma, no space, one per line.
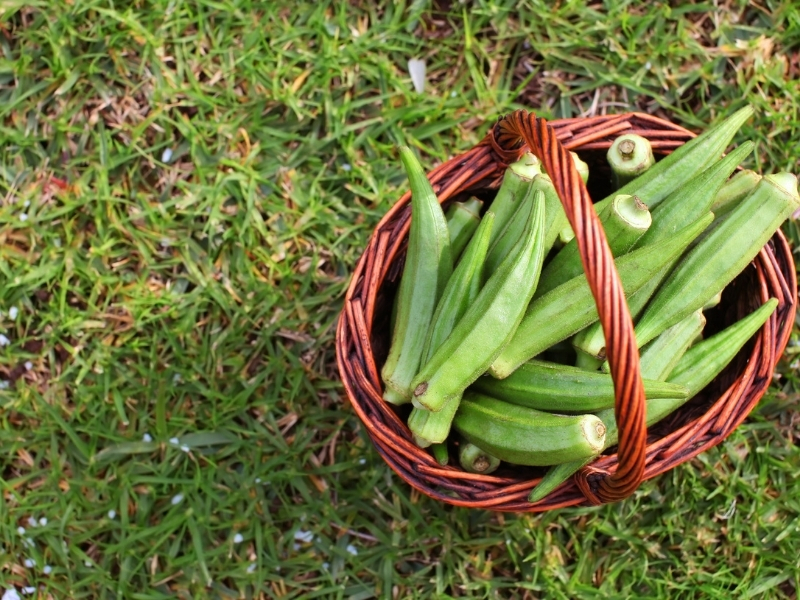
(513,189)
(660,356)
(502,244)
(487,326)
(696,369)
(624,221)
(428,267)
(736,189)
(524,436)
(629,156)
(462,221)
(571,307)
(556,388)
(720,256)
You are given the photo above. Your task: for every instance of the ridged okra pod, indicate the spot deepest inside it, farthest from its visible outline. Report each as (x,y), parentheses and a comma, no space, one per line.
(624,221)
(524,436)
(428,266)
(659,357)
(571,307)
(513,189)
(719,257)
(683,163)
(502,245)
(462,221)
(461,291)
(441,454)
(489,323)
(629,156)
(476,460)
(696,369)
(559,388)
(736,189)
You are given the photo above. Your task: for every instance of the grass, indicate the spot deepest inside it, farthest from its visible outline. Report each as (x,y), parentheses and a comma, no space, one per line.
(186,188)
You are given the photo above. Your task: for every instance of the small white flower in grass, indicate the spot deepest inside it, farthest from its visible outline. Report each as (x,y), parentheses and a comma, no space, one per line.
(4,341)
(26,204)
(185,448)
(177,499)
(416,69)
(166,156)
(47,569)
(28,365)
(23,217)
(57,242)
(10,595)
(3,384)
(174,441)
(112,514)
(147,438)
(251,568)
(21,530)
(238,538)
(176,378)
(647,65)
(32,522)
(258,479)
(29,563)
(13,312)
(352,549)
(347,167)
(28,590)
(362,461)
(28,542)
(88,563)
(43,521)
(303,536)
(326,565)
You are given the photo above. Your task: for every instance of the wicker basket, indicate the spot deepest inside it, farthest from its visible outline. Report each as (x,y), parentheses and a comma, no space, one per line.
(362,336)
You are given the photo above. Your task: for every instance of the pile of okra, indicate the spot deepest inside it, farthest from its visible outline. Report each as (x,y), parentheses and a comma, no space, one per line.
(487,305)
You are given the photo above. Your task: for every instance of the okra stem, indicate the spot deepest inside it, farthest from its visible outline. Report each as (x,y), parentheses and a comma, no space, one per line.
(629,156)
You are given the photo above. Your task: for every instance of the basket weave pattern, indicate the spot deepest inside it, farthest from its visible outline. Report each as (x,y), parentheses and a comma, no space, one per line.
(363,331)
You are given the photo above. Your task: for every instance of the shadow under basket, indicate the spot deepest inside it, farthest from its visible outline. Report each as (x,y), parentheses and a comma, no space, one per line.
(363,333)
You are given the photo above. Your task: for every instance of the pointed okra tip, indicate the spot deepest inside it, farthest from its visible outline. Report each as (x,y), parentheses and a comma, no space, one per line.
(528,166)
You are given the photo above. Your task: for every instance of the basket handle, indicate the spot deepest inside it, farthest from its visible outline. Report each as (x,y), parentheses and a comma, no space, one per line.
(508,135)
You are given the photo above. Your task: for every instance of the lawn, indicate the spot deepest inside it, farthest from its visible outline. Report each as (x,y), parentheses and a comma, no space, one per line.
(186,188)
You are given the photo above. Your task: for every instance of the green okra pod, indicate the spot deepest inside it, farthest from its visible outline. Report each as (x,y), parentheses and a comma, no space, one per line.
(428,266)
(559,388)
(580,166)
(570,307)
(503,244)
(736,189)
(683,163)
(659,357)
(629,156)
(476,460)
(462,221)
(441,454)
(555,217)
(624,221)
(719,257)
(489,323)
(460,292)
(524,436)
(695,369)
(513,189)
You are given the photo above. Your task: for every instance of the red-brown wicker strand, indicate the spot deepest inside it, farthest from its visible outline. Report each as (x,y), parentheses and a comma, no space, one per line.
(362,334)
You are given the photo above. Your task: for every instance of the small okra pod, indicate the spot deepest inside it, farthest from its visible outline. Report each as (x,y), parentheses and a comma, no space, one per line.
(695,369)
(580,166)
(554,215)
(476,460)
(524,436)
(489,323)
(629,156)
(659,357)
(462,221)
(559,388)
(433,427)
(624,221)
(428,266)
(570,307)
(683,163)
(441,454)
(720,256)
(514,188)
(736,189)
